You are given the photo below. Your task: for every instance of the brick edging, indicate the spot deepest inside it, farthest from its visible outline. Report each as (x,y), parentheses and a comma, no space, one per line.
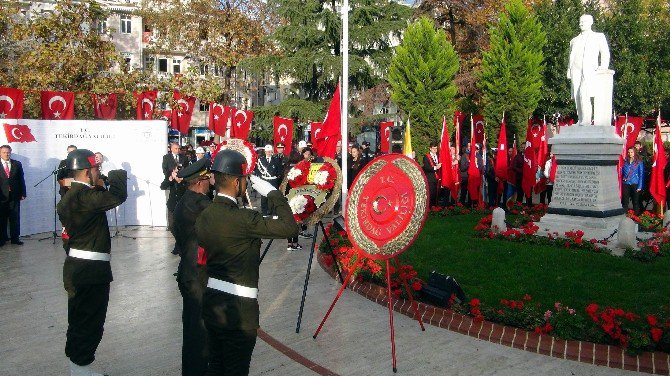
(657,363)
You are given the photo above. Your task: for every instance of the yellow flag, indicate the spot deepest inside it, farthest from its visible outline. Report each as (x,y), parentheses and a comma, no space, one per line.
(407,144)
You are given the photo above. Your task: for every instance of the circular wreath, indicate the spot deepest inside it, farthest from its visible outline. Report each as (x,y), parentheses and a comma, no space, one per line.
(241,146)
(302,207)
(297,175)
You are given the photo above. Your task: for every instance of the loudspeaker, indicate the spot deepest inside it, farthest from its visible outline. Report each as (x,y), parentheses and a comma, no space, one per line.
(396,139)
(439,289)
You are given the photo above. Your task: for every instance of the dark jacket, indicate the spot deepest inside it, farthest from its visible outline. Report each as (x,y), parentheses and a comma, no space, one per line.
(429,169)
(231,238)
(185,214)
(15,183)
(168,166)
(82,213)
(464,165)
(270,171)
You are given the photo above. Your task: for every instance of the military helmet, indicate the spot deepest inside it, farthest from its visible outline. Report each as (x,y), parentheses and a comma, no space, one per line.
(80,159)
(230,162)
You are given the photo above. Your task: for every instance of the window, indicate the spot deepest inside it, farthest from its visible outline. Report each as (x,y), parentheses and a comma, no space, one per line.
(204,106)
(125,23)
(176,66)
(102,27)
(162,66)
(204,70)
(217,72)
(149,62)
(127,60)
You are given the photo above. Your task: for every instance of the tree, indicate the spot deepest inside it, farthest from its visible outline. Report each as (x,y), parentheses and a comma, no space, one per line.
(60,50)
(308,50)
(511,71)
(209,33)
(422,80)
(560,21)
(640,54)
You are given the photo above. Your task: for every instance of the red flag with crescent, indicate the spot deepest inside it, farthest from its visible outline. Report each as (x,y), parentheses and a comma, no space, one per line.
(218,118)
(657,183)
(444,157)
(57,105)
(104,106)
(478,120)
(384,135)
(534,133)
(474,174)
(315,129)
(18,133)
(629,128)
(181,115)
(529,169)
(283,132)
(501,165)
(11,103)
(331,126)
(241,124)
(146,101)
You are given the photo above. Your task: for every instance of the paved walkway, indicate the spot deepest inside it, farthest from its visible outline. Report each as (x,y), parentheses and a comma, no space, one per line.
(143,329)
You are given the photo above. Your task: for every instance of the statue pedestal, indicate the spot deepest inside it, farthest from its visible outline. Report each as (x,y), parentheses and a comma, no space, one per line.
(603,86)
(586,190)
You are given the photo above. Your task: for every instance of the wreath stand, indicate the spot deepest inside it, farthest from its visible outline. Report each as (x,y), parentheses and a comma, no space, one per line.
(413,303)
(318,225)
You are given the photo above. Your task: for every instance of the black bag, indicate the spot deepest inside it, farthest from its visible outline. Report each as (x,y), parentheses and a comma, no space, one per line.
(439,289)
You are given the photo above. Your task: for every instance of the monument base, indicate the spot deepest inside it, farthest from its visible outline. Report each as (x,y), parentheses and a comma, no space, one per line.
(586,190)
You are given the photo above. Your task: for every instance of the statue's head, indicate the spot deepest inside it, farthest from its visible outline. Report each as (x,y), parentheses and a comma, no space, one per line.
(585,22)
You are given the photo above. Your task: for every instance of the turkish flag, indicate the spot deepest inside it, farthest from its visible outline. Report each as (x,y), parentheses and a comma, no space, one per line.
(474,175)
(104,106)
(534,133)
(657,183)
(241,125)
(315,129)
(331,126)
(181,115)
(501,165)
(478,120)
(218,118)
(57,105)
(283,132)
(444,157)
(629,128)
(543,150)
(18,133)
(146,101)
(11,103)
(529,169)
(384,135)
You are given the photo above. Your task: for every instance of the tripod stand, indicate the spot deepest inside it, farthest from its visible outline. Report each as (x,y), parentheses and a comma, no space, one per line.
(53,173)
(116,226)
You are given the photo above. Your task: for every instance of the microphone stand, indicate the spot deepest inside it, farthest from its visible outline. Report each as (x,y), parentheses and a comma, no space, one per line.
(53,173)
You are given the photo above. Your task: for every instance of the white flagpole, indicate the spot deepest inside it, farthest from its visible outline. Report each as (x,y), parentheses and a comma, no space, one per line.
(344,99)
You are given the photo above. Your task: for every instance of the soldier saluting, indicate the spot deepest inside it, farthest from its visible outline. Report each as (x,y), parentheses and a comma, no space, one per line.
(231,238)
(86,271)
(189,207)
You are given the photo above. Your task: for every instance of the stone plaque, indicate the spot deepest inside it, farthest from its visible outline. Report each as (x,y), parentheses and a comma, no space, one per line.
(579,186)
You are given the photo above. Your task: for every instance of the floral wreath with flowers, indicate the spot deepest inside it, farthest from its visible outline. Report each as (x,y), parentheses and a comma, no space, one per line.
(241,146)
(303,206)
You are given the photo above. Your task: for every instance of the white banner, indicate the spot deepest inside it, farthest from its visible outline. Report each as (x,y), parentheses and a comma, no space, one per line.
(134,146)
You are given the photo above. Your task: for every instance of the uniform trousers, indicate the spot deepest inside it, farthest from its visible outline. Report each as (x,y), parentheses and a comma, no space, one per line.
(9,211)
(86,312)
(194,346)
(230,351)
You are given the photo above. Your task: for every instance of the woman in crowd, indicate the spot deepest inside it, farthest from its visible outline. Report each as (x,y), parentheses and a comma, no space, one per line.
(356,163)
(632,180)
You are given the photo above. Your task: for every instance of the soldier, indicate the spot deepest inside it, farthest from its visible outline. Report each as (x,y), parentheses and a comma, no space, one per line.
(268,168)
(86,271)
(192,203)
(283,160)
(231,238)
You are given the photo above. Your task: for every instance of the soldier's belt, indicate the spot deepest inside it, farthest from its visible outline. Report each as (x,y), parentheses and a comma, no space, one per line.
(231,288)
(269,178)
(88,255)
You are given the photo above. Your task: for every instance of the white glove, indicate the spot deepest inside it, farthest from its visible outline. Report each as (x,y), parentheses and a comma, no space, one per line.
(261,186)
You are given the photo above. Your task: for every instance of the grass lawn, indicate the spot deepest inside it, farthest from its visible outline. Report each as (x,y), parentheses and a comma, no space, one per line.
(496,269)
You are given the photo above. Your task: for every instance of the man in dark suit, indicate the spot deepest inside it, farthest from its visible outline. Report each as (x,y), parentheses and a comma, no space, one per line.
(12,191)
(172,162)
(432,166)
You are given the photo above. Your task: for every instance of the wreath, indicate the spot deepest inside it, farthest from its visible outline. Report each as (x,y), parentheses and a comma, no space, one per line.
(302,207)
(297,175)
(324,179)
(241,146)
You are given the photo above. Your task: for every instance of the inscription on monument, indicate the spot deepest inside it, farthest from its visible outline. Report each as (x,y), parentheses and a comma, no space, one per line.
(577,186)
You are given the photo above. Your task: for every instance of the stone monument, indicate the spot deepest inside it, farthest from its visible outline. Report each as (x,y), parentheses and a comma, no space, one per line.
(586,193)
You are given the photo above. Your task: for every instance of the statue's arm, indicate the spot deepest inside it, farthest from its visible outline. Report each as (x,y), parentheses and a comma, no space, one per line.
(570,60)
(604,53)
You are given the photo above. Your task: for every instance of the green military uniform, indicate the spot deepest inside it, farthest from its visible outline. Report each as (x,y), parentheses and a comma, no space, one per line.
(187,210)
(87,272)
(231,238)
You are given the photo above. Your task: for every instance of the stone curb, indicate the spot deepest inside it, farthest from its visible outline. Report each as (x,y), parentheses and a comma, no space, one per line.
(657,363)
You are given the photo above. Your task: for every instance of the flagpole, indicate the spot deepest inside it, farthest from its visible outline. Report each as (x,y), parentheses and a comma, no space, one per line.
(344,99)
